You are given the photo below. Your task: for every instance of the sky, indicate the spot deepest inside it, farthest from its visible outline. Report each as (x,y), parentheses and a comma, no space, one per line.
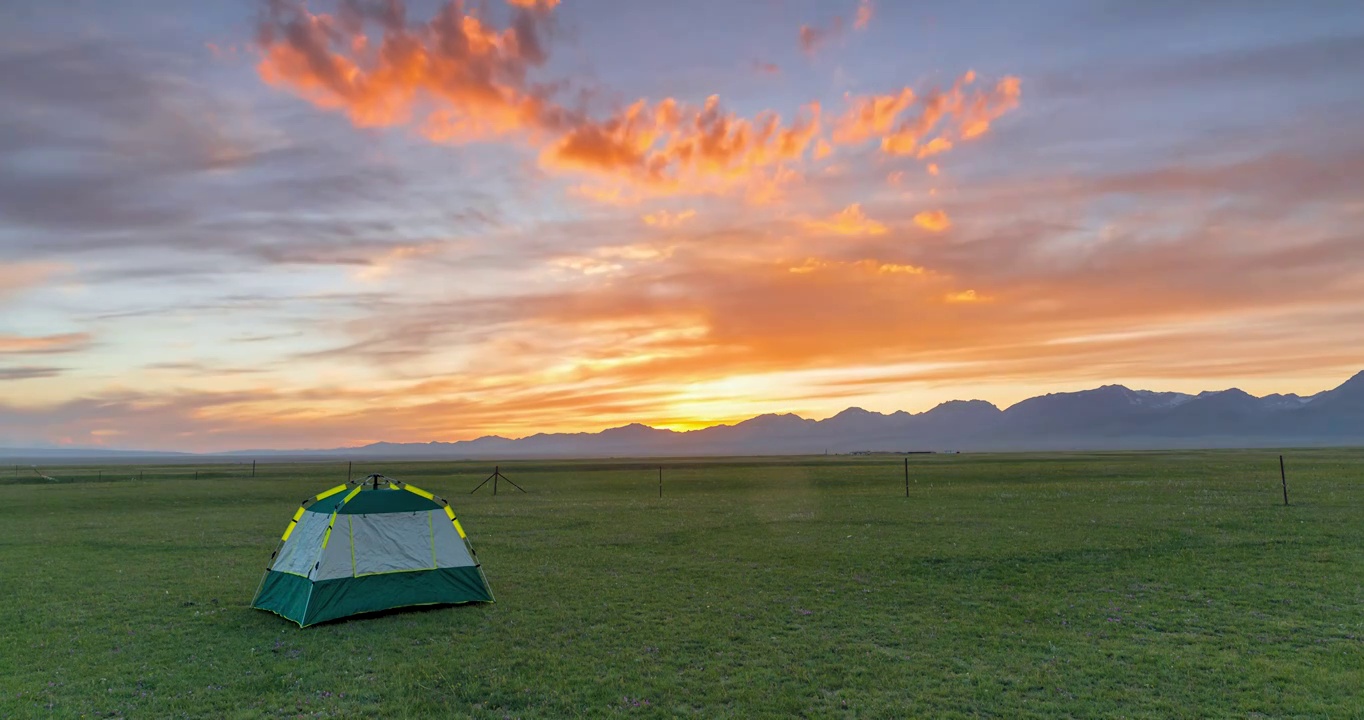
(287,224)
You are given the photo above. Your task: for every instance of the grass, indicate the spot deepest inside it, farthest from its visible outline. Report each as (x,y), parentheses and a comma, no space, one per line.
(1081,585)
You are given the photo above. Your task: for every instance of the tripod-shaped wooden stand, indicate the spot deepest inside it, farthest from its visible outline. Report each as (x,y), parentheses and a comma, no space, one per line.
(497,475)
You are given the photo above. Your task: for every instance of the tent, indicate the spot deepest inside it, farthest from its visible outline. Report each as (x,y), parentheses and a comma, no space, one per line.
(375,545)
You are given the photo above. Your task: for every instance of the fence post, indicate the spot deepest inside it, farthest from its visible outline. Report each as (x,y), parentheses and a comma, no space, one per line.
(1283,477)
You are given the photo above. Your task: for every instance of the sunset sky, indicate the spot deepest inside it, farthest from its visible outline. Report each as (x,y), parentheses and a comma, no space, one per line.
(297,225)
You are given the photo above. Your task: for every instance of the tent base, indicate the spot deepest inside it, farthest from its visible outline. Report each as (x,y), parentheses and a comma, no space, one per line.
(305,602)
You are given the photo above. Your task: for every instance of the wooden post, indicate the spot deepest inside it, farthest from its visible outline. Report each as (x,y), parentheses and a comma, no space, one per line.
(349,463)
(906,477)
(101,476)
(660,481)
(485,482)
(1283,477)
(196,475)
(495,478)
(253,468)
(139,476)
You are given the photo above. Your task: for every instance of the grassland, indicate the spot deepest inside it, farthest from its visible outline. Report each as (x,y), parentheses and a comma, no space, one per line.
(1085,585)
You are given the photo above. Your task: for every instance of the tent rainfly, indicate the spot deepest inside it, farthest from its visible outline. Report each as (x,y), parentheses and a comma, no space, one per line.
(360,548)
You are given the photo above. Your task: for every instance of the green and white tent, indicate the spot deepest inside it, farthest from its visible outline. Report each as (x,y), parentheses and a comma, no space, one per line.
(376,545)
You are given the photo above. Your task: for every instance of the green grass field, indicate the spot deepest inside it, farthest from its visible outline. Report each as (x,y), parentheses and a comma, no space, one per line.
(1083,585)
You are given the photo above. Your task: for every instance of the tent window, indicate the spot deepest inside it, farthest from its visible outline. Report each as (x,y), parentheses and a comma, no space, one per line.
(300,550)
(392,542)
(450,548)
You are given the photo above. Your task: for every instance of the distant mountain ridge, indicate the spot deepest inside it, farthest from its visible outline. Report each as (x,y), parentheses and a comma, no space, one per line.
(1108,417)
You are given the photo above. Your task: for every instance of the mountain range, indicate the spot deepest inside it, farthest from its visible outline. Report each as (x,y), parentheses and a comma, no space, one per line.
(1108,417)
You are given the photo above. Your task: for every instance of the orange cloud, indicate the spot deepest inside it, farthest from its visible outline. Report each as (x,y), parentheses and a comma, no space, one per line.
(871,266)
(934,146)
(457,78)
(475,74)
(16,277)
(933,220)
(965,117)
(623,141)
(43,344)
(612,259)
(766,68)
(812,37)
(965,296)
(636,252)
(810,265)
(985,107)
(863,15)
(904,140)
(223,52)
(613,195)
(674,148)
(664,219)
(900,269)
(933,169)
(767,188)
(586,265)
(383,265)
(871,116)
(849,221)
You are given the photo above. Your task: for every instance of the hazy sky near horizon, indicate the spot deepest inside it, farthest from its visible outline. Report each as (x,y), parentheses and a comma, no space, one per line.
(287,224)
